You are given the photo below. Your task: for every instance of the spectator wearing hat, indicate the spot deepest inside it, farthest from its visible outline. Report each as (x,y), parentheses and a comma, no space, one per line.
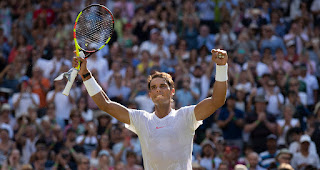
(268,156)
(260,124)
(231,121)
(240,167)
(151,45)
(292,55)
(253,161)
(284,156)
(209,158)
(6,119)
(304,158)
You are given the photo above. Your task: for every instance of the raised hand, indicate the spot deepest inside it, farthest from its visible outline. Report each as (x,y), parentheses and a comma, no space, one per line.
(219,56)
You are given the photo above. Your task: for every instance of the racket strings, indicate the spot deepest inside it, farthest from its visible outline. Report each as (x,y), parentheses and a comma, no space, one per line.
(94,27)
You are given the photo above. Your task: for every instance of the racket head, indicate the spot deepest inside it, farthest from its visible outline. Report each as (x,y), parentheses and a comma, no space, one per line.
(93,28)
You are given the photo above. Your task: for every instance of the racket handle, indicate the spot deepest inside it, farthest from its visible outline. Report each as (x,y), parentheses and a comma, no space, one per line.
(71,79)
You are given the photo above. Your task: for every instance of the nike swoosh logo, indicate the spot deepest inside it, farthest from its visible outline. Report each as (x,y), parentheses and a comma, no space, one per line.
(159,127)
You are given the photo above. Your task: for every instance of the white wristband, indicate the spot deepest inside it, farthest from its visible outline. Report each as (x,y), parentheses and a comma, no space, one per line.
(222,72)
(92,86)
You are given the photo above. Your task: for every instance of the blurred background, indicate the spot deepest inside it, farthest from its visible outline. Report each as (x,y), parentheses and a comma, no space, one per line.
(272,112)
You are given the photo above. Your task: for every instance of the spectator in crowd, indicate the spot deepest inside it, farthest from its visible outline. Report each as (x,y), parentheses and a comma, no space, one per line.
(187,95)
(62,103)
(269,42)
(209,158)
(286,123)
(304,158)
(260,124)
(312,86)
(13,160)
(268,156)
(24,99)
(253,161)
(231,121)
(205,38)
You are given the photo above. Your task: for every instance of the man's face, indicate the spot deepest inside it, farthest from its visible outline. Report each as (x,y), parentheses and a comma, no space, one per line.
(160,92)
(84,164)
(253,160)
(284,158)
(305,146)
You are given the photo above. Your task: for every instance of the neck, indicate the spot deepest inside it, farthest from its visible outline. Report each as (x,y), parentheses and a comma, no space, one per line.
(162,110)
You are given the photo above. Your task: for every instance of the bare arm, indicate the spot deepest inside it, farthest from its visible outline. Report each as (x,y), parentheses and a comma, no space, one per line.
(116,110)
(209,105)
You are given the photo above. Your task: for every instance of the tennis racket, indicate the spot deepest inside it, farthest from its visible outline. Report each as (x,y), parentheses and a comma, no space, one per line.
(92,30)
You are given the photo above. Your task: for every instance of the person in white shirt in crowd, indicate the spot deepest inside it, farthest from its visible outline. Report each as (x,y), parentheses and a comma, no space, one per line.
(100,64)
(22,100)
(304,158)
(201,81)
(254,62)
(295,146)
(312,86)
(166,135)
(286,123)
(209,158)
(226,37)
(152,44)
(63,104)
(274,97)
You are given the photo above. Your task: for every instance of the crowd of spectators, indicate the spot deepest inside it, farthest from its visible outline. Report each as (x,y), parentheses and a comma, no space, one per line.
(271,118)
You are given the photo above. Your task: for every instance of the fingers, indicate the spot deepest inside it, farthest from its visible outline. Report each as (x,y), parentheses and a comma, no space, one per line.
(219,53)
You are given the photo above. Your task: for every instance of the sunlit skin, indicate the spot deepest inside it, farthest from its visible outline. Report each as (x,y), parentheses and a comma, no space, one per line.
(161,95)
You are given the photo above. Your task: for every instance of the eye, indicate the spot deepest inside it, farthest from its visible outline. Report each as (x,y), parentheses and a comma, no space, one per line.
(153,87)
(163,86)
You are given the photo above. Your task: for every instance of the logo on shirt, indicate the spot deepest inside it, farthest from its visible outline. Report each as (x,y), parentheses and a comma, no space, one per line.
(159,127)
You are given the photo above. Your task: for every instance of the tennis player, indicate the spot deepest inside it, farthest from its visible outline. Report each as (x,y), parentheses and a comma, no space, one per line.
(166,135)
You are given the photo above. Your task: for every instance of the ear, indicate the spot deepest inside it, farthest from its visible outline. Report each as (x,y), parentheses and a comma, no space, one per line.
(173,91)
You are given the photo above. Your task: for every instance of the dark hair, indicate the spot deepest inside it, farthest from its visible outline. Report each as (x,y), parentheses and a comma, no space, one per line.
(164,75)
